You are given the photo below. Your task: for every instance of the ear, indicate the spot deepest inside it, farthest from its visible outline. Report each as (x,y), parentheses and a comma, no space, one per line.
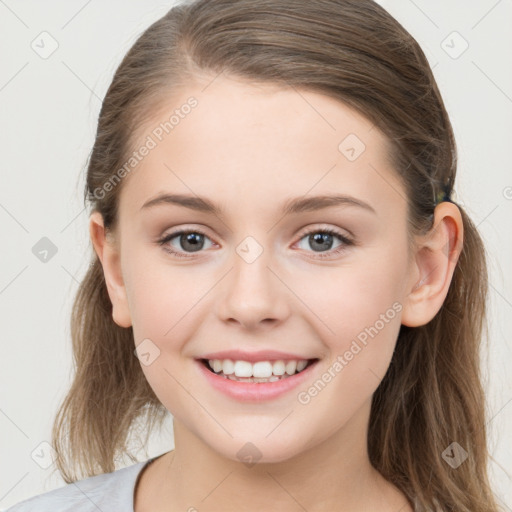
(108,252)
(433,263)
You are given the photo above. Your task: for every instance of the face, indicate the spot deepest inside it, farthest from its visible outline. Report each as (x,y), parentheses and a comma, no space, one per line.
(323,283)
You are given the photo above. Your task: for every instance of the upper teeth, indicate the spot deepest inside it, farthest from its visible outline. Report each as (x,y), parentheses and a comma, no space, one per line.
(259,369)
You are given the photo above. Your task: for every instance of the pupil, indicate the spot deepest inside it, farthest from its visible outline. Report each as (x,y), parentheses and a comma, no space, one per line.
(321,239)
(194,239)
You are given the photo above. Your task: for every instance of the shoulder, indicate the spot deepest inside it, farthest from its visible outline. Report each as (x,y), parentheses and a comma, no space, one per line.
(109,491)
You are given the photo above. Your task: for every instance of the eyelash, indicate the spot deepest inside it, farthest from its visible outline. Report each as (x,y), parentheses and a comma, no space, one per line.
(347,242)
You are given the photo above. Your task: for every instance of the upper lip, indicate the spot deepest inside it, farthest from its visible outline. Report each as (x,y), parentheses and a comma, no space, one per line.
(262,355)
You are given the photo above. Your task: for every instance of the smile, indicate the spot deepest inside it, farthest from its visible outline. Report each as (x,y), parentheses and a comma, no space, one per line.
(259,371)
(261,380)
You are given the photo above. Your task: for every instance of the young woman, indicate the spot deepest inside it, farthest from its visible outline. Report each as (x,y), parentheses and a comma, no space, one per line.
(279,265)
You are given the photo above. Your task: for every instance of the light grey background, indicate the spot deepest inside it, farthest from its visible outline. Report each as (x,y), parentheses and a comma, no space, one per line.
(49,108)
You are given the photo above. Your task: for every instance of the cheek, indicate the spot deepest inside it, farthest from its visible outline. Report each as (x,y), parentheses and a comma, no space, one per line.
(359,318)
(161,296)
(358,307)
(162,301)
(349,299)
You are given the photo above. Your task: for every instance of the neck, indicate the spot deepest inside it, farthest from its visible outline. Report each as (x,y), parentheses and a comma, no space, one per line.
(333,475)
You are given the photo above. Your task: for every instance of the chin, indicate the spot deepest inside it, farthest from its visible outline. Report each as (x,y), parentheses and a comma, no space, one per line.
(258,449)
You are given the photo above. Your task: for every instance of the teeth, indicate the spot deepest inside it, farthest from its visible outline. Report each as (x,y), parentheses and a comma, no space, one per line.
(278,368)
(227,366)
(301,365)
(273,378)
(244,369)
(259,370)
(290,367)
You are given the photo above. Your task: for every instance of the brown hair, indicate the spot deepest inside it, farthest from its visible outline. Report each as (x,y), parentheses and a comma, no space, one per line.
(356,52)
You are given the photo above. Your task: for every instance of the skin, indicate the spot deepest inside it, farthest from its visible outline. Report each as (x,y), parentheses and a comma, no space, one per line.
(250,148)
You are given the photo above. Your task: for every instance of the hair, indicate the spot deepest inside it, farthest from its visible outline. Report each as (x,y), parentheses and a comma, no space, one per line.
(356,52)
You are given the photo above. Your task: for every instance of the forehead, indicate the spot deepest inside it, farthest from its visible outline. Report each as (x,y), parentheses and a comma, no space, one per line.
(253,144)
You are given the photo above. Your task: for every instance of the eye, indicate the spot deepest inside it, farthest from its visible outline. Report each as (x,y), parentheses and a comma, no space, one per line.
(192,240)
(322,239)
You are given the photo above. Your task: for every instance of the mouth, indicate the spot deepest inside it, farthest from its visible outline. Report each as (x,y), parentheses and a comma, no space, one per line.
(259,372)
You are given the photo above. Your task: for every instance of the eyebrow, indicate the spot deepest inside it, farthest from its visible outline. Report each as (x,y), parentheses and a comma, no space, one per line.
(296,205)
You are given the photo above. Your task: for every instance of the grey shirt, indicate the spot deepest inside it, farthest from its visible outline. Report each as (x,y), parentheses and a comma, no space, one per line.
(109,492)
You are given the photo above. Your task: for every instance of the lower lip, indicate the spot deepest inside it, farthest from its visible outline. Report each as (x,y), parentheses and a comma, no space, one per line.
(255,391)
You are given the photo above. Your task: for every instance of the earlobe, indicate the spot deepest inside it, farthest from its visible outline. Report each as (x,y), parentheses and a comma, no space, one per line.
(434,263)
(108,254)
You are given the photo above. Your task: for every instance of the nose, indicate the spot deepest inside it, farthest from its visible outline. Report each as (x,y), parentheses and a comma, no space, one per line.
(253,294)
